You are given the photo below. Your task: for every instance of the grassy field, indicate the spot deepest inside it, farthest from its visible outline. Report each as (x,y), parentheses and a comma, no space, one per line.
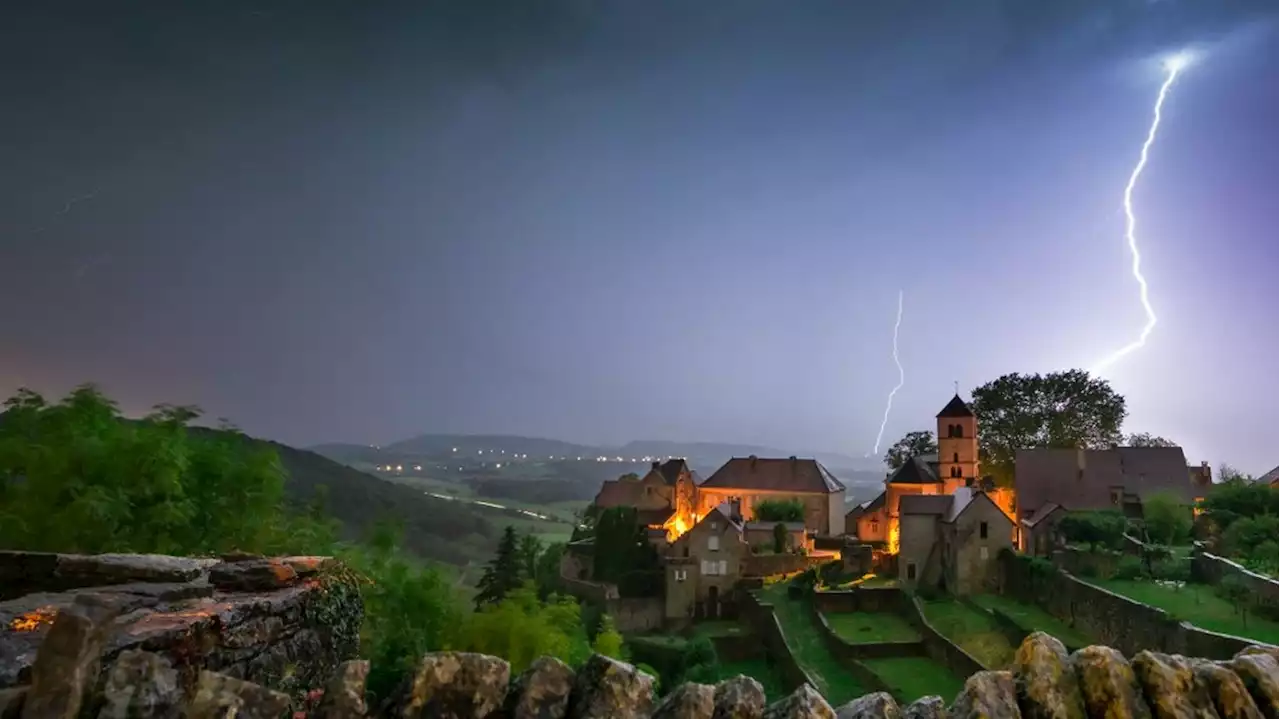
(836,684)
(973,631)
(915,677)
(1196,604)
(1034,619)
(871,627)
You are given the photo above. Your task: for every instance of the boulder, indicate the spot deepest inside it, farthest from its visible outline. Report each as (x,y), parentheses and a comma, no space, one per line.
(141,684)
(688,701)
(252,575)
(878,705)
(987,695)
(541,691)
(1230,697)
(344,694)
(219,696)
(11,702)
(740,697)
(1107,684)
(308,566)
(1258,669)
(66,668)
(82,570)
(453,685)
(1170,686)
(925,708)
(1045,684)
(607,688)
(803,703)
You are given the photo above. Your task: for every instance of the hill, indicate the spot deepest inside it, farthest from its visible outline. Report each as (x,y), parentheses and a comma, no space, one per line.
(472,444)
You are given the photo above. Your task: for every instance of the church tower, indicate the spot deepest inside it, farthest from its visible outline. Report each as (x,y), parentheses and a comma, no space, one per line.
(957,446)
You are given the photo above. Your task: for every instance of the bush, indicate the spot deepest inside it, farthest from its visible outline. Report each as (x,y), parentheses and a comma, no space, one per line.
(779,510)
(1098,529)
(1129,568)
(1167,519)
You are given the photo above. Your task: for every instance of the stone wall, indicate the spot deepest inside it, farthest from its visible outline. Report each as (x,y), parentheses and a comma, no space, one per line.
(635,614)
(939,648)
(1118,621)
(848,655)
(285,623)
(1212,569)
(769,565)
(861,599)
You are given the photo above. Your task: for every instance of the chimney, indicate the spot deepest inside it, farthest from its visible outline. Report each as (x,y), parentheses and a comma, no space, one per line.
(735,509)
(793,459)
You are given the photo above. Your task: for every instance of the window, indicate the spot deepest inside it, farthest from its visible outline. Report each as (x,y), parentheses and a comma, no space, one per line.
(713,543)
(724,568)
(1116,493)
(982,534)
(982,552)
(875,525)
(681,575)
(706,567)
(955,472)
(911,570)
(955,457)
(715,526)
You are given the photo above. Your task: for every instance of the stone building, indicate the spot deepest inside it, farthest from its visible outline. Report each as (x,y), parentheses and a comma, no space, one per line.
(951,541)
(665,497)
(704,565)
(748,481)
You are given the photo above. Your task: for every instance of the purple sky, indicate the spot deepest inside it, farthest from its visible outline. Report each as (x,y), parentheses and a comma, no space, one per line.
(605,221)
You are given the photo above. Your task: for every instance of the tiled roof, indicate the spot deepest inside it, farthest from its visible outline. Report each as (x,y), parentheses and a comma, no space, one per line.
(654,516)
(619,493)
(671,469)
(1269,477)
(914,471)
(924,504)
(956,408)
(781,475)
(1082,479)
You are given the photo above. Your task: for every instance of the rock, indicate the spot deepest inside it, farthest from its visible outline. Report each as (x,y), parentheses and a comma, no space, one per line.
(1230,697)
(878,705)
(1273,652)
(803,703)
(344,695)
(67,665)
(101,569)
(1046,685)
(607,688)
(987,695)
(141,684)
(1170,686)
(307,566)
(688,701)
(252,575)
(1258,670)
(219,696)
(925,708)
(1107,684)
(739,697)
(541,691)
(239,556)
(11,702)
(453,685)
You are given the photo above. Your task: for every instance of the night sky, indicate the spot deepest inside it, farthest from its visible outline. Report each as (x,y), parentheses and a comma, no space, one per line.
(605,221)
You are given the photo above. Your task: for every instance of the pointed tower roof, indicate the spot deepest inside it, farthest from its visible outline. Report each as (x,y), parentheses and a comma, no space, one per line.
(955,408)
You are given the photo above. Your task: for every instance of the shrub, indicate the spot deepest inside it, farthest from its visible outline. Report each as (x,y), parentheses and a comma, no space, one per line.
(1167,519)
(1098,529)
(1129,568)
(771,510)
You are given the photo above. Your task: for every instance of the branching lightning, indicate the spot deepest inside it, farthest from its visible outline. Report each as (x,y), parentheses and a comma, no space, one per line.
(902,378)
(1173,66)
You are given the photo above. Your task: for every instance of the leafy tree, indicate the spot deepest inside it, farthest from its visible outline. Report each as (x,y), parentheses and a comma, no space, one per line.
(623,554)
(608,641)
(548,571)
(502,575)
(1230,475)
(1167,518)
(529,550)
(779,538)
(1144,439)
(780,510)
(520,629)
(1247,533)
(913,444)
(1062,409)
(1234,590)
(1094,528)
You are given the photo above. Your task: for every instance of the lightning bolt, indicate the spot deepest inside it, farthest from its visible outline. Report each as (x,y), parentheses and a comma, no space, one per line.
(1173,67)
(902,378)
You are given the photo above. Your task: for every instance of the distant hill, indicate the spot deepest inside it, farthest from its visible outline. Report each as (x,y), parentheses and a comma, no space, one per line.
(473,444)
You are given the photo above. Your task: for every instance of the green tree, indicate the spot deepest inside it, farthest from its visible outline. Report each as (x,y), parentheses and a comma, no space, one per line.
(1061,409)
(1246,533)
(913,444)
(1167,518)
(529,551)
(779,510)
(548,573)
(502,575)
(1234,590)
(520,629)
(1145,439)
(623,554)
(608,641)
(779,538)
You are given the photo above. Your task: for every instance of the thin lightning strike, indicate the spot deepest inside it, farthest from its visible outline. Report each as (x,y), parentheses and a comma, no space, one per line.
(902,378)
(1173,66)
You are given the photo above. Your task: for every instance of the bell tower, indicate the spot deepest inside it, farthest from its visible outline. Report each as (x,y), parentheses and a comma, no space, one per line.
(957,445)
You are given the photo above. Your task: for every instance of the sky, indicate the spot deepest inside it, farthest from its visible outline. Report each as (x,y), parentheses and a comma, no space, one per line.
(605,221)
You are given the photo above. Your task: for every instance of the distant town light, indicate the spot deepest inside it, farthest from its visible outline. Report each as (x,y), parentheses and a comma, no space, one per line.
(399,468)
(498,465)
(455,449)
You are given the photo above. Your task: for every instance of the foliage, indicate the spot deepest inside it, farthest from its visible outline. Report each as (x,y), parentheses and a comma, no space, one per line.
(520,629)
(547,573)
(779,538)
(1230,475)
(1145,439)
(1097,528)
(913,444)
(1239,498)
(1129,568)
(1245,535)
(1167,519)
(608,640)
(779,510)
(622,548)
(1059,409)
(528,551)
(504,572)
(1263,559)
(1235,590)
(1173,569)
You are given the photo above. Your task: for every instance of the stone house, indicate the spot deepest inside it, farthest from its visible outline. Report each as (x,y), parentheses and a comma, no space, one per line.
(747,481)
(704,565)
(952,541)
(665,497)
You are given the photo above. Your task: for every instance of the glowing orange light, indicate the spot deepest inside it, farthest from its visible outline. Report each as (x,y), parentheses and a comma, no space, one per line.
(31,621)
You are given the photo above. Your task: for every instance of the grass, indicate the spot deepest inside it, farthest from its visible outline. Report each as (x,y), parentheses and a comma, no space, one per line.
(913,677)
(1034,619)
(711,629)
(872,627)
(805,643)
(757,669)
(973,631)
(1196,604)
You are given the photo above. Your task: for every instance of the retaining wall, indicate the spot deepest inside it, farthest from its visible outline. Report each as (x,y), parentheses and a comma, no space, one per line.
(938,647)
(1212,569)
(765,624)
(846,654)
(861,599)
(768,565)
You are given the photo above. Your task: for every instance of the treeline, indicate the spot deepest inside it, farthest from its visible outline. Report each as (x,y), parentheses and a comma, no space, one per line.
(77,477)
